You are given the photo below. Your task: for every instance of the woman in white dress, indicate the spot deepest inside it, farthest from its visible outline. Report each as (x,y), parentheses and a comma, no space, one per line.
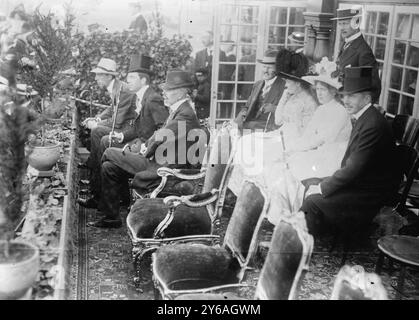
(317,152)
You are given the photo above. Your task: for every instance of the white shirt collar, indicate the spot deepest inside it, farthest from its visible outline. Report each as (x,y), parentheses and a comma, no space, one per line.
(353,37)
(209,49)
(268,83)
(140,96)
(361,112)
(176,105)
(110,87)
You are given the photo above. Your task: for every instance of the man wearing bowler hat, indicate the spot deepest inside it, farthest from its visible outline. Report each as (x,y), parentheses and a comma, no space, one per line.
(350,198)
(168,146)
(265,95)
(151,115)
(355,51)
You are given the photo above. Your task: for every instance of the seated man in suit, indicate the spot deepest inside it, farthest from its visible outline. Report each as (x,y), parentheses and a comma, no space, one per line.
(169,146)
(355,51)
(266,93)
(151,115)
(352,196)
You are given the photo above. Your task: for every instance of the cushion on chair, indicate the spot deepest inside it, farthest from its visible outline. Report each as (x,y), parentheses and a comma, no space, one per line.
(193,266)
(146,214)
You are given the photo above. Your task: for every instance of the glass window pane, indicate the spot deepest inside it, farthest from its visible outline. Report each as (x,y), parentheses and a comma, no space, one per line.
(380,48)
(243,91)
(246,73)
(407,105)
(396,77)
(403,26)
(278,15)
(226,72)
(275,46)
(224,110)
(231,14)
(413,55)
(249,15)
(247,54)
(415,29)
(230,50)
(225,91)
(277,35)
(399,52)
(371,19)
(383,23)
(228,33)
(248,34)
(393,103)
(410,78)
(296,16)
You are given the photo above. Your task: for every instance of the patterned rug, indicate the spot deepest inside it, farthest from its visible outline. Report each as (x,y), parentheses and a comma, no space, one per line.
(103,269)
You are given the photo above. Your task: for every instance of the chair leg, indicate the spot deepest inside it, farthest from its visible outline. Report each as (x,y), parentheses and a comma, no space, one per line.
(379,264)
(400,281)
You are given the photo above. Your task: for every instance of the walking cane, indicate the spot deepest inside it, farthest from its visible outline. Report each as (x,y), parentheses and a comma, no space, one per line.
(115,107)
(267,122)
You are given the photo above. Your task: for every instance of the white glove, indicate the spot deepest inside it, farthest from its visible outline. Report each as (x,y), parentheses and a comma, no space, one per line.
(143,149)
(118,136)
(91,124)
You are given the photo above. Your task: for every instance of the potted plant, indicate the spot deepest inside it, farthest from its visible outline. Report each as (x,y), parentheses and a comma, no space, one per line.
(51,46)
(19,261)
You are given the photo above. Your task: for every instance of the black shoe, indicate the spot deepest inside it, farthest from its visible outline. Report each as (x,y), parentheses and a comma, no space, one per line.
(84,191)
(105,223)
(82,165)
(90,203)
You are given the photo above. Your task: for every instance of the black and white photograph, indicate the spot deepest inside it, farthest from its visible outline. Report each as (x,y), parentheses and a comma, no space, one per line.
(195,150)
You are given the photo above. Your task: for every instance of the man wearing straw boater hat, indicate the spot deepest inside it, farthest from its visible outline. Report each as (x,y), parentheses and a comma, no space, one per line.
(355,51)
(169,146)
(151,115)
(265,96)
(350,198)
(115,117)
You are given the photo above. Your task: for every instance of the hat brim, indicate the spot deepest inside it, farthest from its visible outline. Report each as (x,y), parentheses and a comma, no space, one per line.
(346,92)
(165,86)
(140,70)
(330,81)
(294,78)
(346,17)
(264,62)
(98,70)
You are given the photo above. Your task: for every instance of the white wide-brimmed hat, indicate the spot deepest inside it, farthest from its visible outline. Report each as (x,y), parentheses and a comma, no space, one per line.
(325,71)
(106,66)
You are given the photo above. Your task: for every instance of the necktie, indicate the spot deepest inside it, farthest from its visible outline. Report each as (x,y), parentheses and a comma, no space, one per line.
(353,121)
(138,106)
(346,45)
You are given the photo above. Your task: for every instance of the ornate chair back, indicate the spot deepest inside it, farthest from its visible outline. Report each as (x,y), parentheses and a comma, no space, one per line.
(241,236)
(289,254)
(406,129)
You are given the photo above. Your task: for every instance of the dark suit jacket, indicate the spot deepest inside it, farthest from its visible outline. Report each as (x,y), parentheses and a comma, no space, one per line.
(369,161)
(152,116)
(359,54)
(272,96)
(203,60)
(174,134)
(126,107)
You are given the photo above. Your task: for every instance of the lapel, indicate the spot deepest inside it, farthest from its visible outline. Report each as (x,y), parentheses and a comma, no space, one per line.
(273,91)
(358,123)
(346,55)
(255,96)
(172,115)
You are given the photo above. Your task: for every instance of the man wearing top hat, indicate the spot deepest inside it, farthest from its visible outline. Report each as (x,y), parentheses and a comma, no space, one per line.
(172,138)
(355,51)
(352,196)
(151,115)
(265,94)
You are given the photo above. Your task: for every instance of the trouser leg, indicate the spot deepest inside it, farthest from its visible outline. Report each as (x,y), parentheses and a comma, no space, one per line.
(116,169)
(314,216)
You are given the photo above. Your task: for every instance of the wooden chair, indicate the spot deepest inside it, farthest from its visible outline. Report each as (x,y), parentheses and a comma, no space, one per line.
(190,268)
(402,249)
(353,283)
(155,222)
(406,129)
(288,257)
(170,181)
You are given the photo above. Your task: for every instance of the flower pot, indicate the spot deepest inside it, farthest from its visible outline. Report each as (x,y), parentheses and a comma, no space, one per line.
(19,271)
(43,158)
